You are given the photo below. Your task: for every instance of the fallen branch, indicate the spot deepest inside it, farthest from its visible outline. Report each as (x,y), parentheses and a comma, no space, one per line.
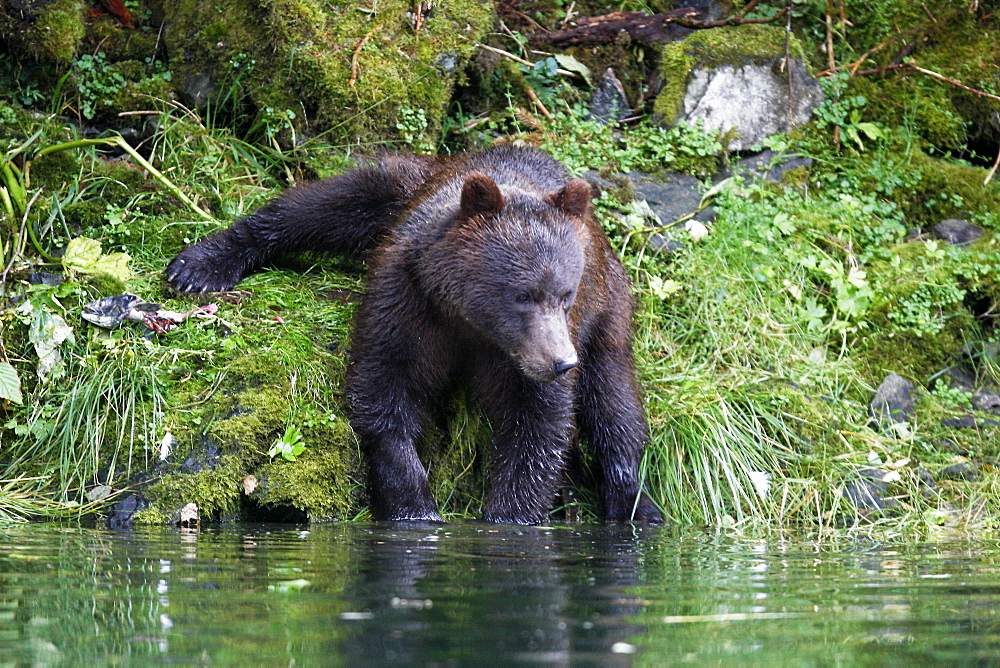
(356,56)
(649,29)
(951,81)
(911,66)
(538,103)
(518,59)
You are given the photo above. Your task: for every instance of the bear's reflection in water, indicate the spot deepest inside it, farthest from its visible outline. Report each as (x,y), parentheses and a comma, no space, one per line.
(429,595)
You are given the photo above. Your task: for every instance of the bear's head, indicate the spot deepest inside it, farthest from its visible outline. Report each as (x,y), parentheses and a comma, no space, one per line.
(516,262)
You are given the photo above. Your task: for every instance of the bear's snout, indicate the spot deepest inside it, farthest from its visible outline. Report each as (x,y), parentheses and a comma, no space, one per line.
(562,365)
(547,351)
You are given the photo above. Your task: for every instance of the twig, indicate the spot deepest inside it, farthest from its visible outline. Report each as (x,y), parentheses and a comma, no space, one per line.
(951,81)
(518,59)
(829,44)
(356,55)
(910,66)
(928,12)
(538,103)
(993,169)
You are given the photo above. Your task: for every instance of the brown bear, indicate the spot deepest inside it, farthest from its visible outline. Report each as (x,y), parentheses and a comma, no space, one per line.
(486,267)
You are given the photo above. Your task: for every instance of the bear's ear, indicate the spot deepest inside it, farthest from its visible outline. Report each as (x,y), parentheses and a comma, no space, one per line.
(480,196)
(574,199)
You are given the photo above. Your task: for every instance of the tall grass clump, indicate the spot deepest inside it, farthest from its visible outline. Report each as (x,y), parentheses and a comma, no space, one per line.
(100,429)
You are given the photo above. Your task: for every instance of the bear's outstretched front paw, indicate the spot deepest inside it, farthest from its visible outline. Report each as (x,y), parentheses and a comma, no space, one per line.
(205,267)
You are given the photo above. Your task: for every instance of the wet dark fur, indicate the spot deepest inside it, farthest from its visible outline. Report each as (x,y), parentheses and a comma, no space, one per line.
(487,267)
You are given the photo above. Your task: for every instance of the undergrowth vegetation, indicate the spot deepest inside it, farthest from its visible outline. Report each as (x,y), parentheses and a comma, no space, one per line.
(760,336)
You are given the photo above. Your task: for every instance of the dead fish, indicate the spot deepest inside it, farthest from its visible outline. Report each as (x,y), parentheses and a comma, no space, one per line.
(110,312)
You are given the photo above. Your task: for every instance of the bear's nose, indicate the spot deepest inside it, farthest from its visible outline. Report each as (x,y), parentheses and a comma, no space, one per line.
(561,366)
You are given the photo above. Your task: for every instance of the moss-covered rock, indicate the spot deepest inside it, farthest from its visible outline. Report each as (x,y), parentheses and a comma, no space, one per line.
(737,80)
(51,32)
(340,67)
(211,464)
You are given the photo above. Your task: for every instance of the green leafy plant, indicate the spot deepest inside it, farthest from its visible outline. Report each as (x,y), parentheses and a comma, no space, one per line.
(844,113)
(289,446)
(412,126)
(97,84)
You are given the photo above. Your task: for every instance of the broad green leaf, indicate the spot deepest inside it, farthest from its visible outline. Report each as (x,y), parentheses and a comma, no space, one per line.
(81,253)
(10,383)
(783,223)
(47,333)
(573,65)
(84,256)
(873,131)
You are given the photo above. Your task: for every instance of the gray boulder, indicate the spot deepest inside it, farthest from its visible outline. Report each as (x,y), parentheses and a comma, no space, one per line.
(893,401)
(741,81)
(608,102)
(751,99)
(957,232)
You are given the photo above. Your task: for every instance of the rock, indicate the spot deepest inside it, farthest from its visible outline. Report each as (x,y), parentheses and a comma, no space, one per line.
(671,196)
(98,493)
(893,402)
(123,511)
(208,456)
(751,101)
(962,471)
(986,400)
(766,166)
(961,378)
(978,349)
(608,103)
(664,245)
(663,200)
(957,232)
(949,445)
(868,492)
(45,278)
(968,422)
(739,81)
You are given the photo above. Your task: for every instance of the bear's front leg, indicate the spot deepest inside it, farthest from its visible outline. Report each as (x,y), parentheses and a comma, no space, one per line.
(611,419)
(387,416)
(398,360)
(531,436)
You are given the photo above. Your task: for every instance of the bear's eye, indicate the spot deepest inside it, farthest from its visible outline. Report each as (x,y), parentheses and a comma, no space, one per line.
(566,300)
(522,298)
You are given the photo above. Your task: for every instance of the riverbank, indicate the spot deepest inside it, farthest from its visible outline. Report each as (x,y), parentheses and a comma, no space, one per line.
(777,291)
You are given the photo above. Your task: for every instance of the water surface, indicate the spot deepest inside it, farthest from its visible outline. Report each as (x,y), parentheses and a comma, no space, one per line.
(367,594)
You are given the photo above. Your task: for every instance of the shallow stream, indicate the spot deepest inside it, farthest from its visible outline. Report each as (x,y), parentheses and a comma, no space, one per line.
(366,594)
